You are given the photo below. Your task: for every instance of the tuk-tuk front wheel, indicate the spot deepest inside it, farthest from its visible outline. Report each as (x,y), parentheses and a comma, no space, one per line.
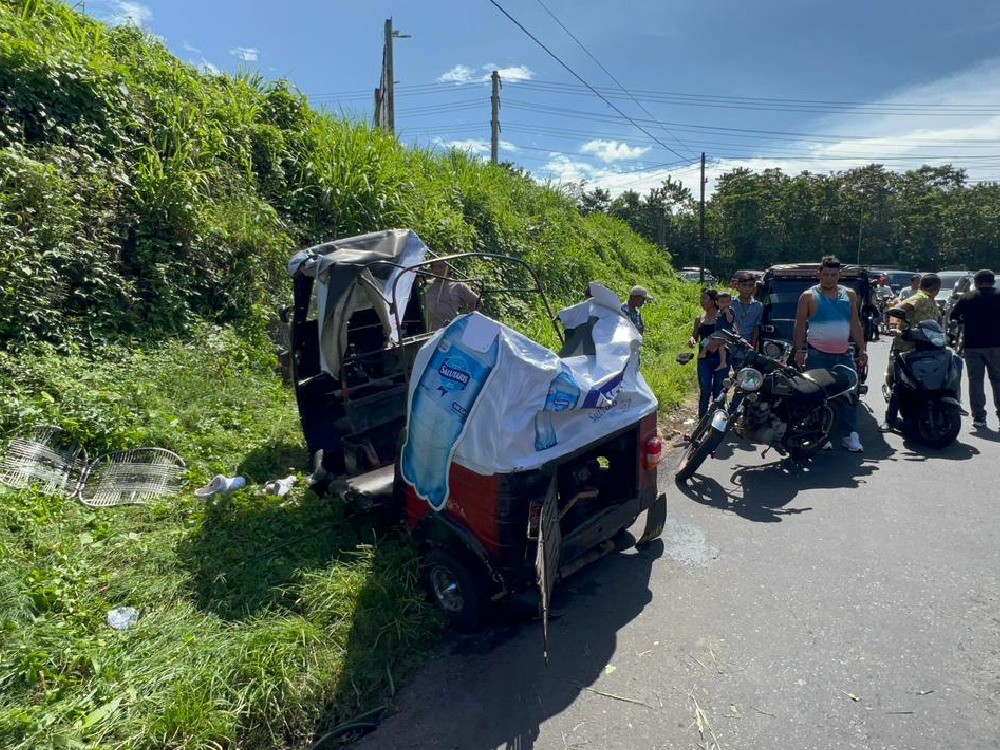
(456,588)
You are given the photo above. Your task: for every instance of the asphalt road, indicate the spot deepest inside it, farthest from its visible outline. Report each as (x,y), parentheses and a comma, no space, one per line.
(851,603)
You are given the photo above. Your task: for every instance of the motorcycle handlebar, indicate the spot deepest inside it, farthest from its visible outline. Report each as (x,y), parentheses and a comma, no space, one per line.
(753,357)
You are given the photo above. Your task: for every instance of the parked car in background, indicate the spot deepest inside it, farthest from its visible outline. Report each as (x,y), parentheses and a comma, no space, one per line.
(693,273)
(953,285)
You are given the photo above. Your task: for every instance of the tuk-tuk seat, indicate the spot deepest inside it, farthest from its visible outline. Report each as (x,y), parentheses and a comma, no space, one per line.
(371,488)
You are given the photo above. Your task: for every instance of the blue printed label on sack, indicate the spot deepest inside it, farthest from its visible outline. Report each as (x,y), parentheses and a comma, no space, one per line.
(455,375)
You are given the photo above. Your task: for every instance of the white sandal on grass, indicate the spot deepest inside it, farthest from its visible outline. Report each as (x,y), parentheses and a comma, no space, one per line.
(220,483)
(281,487)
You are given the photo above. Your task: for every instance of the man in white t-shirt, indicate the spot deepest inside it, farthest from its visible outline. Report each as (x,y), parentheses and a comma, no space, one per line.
(914,288)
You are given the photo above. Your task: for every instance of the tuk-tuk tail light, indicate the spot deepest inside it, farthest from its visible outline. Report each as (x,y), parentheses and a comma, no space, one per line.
(652,452)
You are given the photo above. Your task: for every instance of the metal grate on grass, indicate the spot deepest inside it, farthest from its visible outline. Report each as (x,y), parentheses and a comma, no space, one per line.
(55,463)
(51,459)
(131,477)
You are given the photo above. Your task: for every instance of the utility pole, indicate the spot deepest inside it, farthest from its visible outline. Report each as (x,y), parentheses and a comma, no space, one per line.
(385,95)
(701,221)
(861,226)
(495,121)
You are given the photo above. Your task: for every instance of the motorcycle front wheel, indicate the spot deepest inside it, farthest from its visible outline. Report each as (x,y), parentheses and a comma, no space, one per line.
(704,440)
(811,433)
(938,424)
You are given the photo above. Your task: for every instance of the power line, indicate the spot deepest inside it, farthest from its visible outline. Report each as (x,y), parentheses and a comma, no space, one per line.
(579,78)
(606,71)
(783,103)
(687,99)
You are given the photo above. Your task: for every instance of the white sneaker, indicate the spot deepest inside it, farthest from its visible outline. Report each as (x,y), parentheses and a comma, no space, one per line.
(827,446)
(853,443)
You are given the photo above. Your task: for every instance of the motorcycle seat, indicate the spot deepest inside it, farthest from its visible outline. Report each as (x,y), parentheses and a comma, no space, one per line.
(830,382)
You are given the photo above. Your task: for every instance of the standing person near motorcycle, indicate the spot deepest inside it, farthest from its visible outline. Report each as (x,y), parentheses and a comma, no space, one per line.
(827,318)
(883,295)
(979,311)
(747,311)
(712,365)
(918,307)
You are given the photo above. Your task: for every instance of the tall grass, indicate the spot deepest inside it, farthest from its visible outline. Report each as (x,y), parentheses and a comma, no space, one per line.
(263,620)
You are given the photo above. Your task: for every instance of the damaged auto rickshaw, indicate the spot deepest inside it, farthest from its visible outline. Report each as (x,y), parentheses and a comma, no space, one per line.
(512,466)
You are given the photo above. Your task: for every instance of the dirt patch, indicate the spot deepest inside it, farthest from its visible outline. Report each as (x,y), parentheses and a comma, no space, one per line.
(678,423)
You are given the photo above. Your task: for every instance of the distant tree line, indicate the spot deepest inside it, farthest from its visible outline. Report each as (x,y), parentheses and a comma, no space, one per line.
(927,219)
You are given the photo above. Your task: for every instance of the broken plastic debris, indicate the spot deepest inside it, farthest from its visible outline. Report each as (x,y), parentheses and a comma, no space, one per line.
(220,483)
(281,487)
(610,668)
(123,618)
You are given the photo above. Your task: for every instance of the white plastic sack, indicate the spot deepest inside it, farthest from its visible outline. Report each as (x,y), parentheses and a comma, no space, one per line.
(495,401)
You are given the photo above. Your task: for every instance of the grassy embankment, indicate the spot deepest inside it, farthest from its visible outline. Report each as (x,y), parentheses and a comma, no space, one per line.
(145,214)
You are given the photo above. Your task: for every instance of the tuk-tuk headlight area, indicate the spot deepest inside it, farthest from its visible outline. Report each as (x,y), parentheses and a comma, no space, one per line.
(749,379)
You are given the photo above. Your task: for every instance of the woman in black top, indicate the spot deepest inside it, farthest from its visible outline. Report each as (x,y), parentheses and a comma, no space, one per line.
(712,365)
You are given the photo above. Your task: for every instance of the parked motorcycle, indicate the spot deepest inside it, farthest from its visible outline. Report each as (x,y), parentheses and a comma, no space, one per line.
(927,384)
(780,407)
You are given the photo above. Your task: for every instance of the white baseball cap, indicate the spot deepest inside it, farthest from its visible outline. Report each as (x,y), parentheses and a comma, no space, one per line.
(640,291)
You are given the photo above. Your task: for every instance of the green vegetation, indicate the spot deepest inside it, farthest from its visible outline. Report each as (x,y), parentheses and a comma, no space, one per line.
(146,213)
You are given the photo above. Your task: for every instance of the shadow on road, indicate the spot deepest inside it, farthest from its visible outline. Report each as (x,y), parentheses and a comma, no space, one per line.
(760,492)
(496,690)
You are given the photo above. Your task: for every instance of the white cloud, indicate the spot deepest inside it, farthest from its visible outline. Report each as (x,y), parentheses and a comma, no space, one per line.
(564,168)
(508,75)
(464,74)
(247,54)
(474,146)
(612,151)
(188,47)
(120,12)
(206,66)
(458,74)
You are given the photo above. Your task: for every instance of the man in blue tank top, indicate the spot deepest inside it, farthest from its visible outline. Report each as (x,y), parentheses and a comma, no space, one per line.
(827,317)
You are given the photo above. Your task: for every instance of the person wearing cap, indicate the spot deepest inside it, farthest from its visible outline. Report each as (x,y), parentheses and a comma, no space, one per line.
(979,311)
(632,309)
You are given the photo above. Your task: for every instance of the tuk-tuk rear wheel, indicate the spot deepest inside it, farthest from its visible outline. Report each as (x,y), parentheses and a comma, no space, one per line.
(455,588)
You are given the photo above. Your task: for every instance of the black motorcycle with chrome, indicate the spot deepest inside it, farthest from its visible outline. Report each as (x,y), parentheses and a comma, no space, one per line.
(926,384)
(769,403)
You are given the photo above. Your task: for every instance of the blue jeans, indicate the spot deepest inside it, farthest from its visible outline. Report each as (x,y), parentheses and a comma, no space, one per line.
(847,413)
(709,382)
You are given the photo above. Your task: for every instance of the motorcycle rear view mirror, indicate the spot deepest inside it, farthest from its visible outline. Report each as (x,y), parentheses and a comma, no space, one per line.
(684,357)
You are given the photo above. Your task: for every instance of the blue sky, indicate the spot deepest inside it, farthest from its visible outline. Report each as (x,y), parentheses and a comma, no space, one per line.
(796,84)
